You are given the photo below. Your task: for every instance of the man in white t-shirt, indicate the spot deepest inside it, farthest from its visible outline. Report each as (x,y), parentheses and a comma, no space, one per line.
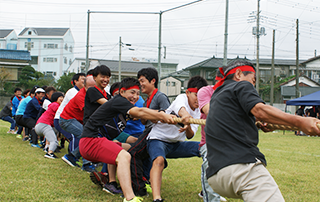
(168,141)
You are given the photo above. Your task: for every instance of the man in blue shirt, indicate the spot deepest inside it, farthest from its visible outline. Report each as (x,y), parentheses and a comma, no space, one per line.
(31,112)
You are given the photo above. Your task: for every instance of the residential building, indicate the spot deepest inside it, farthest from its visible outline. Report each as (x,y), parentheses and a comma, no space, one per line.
(13,61)
(8,39)
(51,49)
(311,68)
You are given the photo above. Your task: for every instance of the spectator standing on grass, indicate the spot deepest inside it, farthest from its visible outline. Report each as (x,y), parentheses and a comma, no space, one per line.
(30,114)
(5,115)
(45,125)
(236,166)
(15,103)
(300,112)
(313,112)
(25,95)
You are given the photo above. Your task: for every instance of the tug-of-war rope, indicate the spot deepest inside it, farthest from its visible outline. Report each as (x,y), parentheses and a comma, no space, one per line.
(258,124)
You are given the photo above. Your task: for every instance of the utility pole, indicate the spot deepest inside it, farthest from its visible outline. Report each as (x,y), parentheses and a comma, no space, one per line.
(272,69)
(159,48)
(297,61)
(258,36)
(120,44)
(225,52)
(87,45)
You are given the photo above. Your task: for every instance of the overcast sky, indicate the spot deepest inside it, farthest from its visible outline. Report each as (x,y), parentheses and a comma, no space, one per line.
(190,34)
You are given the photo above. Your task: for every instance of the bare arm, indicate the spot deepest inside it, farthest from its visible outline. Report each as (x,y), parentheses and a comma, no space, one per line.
(149,114)
(102,101)
(185,120)
(205,109)
(271,114)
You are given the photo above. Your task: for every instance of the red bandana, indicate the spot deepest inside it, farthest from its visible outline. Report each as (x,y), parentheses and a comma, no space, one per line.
(221,80)
(104,93)
(115,90)
(193,90)
(132,87)
(151,97)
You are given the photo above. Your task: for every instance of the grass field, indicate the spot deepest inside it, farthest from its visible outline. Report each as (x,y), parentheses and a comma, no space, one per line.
(25,175)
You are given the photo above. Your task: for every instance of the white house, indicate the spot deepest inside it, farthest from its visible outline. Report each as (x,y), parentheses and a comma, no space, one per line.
(311,68)
(51,49)
(8,39)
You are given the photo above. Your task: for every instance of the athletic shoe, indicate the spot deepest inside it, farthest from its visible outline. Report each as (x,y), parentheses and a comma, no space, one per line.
(99,178)
(70,160)
(112,188)
(11,131)
(200,194)
(50,156)
(46,149)
(25,139)
(19,136)
(89,168)
(35,145)
(135,199)
(158,200)
(222,199)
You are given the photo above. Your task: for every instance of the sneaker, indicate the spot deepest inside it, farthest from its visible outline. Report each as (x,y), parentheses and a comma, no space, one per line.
(50,156)
(89,168)
(222,199)
(99,178)
(158,200)
(200,194)
(11,132)
(25,139)
(46,149)
(135,199)
(35,145)
(112,188)
(70,160)
(19,136)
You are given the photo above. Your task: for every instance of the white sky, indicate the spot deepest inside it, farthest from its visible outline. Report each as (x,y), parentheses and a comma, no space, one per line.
(191,34)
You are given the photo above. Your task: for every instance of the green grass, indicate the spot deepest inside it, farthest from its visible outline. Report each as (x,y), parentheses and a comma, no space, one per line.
(25,175)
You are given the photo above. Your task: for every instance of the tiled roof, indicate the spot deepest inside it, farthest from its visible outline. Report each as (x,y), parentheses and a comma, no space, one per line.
(212,63)
(126,66)
(5,32)
(15,54)
(46,31)
(291,62)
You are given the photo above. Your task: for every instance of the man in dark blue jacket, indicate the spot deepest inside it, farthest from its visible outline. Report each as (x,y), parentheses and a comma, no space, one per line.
(31,112)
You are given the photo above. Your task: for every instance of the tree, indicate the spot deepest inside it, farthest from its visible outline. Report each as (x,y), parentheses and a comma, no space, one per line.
(4,76)
(64,83)
(30,77)
(27,75)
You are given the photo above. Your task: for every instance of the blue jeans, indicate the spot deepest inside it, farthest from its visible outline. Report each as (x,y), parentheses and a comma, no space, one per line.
(208,194)
(74,127)
(172,150)
(11,120)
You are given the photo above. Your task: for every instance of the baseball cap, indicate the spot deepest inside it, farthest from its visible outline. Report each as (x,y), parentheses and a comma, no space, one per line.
(39,90)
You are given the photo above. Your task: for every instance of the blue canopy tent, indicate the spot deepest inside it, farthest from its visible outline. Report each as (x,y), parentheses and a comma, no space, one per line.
(308,100)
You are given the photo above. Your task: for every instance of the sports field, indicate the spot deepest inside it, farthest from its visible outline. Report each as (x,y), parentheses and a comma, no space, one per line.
(25,175)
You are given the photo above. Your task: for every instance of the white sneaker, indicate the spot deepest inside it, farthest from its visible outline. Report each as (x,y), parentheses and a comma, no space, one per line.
(222,199)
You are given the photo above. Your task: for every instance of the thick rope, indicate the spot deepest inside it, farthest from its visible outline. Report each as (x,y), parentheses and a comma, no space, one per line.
(192,121)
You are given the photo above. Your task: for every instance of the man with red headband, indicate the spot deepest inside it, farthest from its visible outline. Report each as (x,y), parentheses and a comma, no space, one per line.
(95,147)
(168,141)
(236,166)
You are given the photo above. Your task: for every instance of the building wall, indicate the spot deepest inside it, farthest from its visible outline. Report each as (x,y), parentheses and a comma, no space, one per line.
(170,86)
(10,42)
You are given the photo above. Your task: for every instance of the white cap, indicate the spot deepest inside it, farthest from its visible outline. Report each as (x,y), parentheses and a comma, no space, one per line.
(40,90)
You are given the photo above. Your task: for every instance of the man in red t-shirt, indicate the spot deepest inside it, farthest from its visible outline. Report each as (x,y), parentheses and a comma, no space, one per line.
(71,120)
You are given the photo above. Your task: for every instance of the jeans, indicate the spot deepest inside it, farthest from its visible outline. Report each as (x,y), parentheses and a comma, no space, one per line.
(208,194)
(74,127)
(11,120)
(172,150)
(73,141)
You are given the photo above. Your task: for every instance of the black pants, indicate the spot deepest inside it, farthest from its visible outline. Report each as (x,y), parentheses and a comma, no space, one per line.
(139,154)
(30,123)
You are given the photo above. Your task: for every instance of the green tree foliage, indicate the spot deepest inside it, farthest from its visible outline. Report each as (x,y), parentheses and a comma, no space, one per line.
(64,83)
(4,76)
(30,77)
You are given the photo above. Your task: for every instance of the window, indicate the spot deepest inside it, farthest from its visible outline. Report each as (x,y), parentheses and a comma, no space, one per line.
(34,60)
(70,62)
(44,45)
(70,49)
(26,44)
(83,63)
(173,83)
(50,46)
(66,47)
(168,83)
(55,45)
(29,32)
(50,59)
(49,73)
(65,60)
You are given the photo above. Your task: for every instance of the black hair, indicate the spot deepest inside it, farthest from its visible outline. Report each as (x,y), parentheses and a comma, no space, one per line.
(44,87)
(17,89)
(129,82)
(114,86)
(90,72)
(76,77)
(55,96)
(12,97)
(102,69)
(197,82)
(25,92)
(234,64)
(150,73)
(50,88)
(33,90)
